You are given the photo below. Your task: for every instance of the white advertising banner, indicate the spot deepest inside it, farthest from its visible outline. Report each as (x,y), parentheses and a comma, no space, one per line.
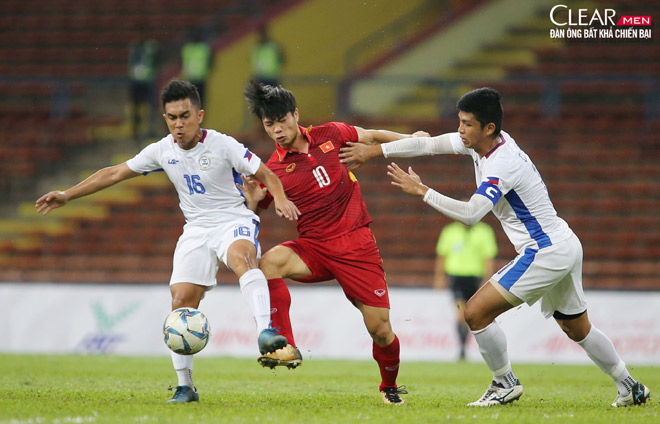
(128,319)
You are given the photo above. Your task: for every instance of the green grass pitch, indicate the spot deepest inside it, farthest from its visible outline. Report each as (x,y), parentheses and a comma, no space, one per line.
(111,389)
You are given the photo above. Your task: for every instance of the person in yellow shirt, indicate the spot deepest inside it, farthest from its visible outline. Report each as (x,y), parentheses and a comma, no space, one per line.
(196,61)
(465,258)
(266,59)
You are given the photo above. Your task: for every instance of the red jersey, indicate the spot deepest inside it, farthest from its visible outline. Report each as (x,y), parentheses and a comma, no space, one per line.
(326,193)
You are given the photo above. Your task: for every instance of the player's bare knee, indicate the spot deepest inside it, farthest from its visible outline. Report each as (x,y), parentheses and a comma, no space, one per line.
(382,336)
(240,264)
(569,332)
(242,256)
(473,317)
(186,295)
(183,301)
(576,327)
(381,332)
(575,333)
(269,267)
(273,262)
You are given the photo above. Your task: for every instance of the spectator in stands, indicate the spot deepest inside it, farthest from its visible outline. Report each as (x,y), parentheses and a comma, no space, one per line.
(464,257)
(196,61)
(266,59)
(334,241)
(549,262)
(201,163)
(143,65)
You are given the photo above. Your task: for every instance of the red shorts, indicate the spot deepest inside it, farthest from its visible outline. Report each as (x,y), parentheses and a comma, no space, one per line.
(353,259)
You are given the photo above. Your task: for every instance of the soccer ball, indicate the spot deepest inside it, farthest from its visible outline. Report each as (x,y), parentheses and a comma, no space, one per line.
(186,331)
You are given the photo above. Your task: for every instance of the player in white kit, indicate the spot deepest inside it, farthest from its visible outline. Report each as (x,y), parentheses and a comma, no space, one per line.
(549,262)
(207,169)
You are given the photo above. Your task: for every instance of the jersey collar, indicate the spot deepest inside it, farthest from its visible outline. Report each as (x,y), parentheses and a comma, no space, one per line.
(497,146)
(281,153)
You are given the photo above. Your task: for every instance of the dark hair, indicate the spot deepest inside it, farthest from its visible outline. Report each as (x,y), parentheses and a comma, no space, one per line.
(267,101)
(180,90)
(486,106)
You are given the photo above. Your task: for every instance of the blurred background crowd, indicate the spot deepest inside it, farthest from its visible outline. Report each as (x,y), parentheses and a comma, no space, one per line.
(80,83)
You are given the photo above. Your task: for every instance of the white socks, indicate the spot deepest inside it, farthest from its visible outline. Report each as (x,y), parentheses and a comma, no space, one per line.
(183,365)
(492,345)
(254,289)
(600,350)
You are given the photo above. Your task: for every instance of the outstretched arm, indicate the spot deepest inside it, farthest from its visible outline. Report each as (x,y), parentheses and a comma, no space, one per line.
(384,136)
(469,213)
(356,154)
(101,179)
(283,206)
(368,145)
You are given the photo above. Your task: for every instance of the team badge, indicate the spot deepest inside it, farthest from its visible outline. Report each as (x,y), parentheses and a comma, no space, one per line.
(204,162)
(291,167)
(327,146)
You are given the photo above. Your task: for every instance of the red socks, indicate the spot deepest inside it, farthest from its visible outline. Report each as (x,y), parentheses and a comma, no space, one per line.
(280,302)
(387,358)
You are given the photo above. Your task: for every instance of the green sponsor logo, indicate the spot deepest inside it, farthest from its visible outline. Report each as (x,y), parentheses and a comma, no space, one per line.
(106,321)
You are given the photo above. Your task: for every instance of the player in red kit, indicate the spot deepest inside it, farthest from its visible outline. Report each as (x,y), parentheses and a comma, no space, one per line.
(334,240)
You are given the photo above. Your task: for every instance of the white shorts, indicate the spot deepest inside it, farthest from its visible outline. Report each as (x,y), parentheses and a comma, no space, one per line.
(552,274)
(200,248)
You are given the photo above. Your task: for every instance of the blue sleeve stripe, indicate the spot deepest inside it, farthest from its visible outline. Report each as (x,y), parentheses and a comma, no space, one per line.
(155,170)
(517,270)
(490,191)
(533,227)
(237,180)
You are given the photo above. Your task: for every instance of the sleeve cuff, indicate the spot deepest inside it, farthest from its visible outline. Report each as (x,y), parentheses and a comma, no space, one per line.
(384,148)
(427,195)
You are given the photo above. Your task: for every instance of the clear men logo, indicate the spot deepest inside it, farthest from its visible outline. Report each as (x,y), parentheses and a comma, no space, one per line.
(105,340)
(605,23)
(581,17)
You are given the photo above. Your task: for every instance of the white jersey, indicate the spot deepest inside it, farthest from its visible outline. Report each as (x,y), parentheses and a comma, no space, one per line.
(205,176)
(508,178)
